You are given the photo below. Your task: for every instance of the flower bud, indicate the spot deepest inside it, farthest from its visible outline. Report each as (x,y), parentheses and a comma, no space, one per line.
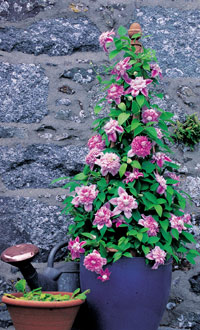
(129,160)
(135,73)
(130,98)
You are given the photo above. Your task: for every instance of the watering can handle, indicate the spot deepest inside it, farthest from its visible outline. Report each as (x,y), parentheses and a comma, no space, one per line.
(53,252)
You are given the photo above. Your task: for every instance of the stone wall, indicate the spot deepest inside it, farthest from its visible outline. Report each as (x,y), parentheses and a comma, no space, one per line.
(49,56)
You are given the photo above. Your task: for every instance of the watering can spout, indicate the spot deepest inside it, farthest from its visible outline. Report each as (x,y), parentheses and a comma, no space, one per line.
(21,256)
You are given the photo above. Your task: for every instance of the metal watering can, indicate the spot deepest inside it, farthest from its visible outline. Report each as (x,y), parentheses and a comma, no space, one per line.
(64,277)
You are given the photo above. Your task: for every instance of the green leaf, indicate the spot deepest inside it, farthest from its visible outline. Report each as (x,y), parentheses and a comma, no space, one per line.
(151,131)
(161,201)
(170,190)
(138,130)
(127,254)
(21,285)
(175,233)
(118,44)
(167,236)
(122,106)
(168,249)
(166,116)
(114,53)
(164,224)
(115,112)
(136,164)
(195,252)
(158,209)
(88,235)
(153,240)
(136,215)
(148,167)
(151,197)
(122,169)
(135,123)
(97,109)
(190,258)
(145,249)
(189,236)
(146,66)
(123,117)
(181,200)
(135,107)
(102,196)
(103,251)
(182,250)
(139,236)
(140,99)
(132,232)
(80,176)
(122,31)
(172,165)
(60,179)
(117,256)
(160,95)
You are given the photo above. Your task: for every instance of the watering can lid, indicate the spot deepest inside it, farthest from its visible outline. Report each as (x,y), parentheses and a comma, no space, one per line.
(19,252)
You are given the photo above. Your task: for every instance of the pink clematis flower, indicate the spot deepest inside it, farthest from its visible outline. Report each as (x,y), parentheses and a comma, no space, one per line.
(138,85)
(125,203)
(91,157)
(151,223)
(104,38)
(131,176)
(119,221)
(75,247)
(102,217)
(104,275)
(114,93)
(173,176)
(159,133)
(178,222)
(111,128)
(187,218)
(140,147)
(121,68)
(155,71)
(158,255)
(86,196)
(150,115)
(96,142)
(94,262)
(109,163)
(160,158)
(162,184)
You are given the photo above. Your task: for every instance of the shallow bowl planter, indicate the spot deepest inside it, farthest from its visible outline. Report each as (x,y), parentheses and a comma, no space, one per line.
(41,315)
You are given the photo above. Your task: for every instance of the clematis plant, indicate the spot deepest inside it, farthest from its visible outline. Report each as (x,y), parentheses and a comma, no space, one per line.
(126,202)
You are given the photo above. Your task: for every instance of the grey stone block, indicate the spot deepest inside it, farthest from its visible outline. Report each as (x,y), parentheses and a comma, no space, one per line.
(23,93)
(35,166)
(19,9)
(26,220)
(174,36)
(55,37)
(12,132)
(80,75)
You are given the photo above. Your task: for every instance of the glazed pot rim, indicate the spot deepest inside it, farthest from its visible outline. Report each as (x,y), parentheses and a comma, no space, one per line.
(42,304)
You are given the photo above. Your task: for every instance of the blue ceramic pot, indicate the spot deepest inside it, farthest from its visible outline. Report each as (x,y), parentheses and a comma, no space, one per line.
(134,298)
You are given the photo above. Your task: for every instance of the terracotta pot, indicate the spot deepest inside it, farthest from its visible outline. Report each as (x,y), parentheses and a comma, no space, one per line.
(41,315)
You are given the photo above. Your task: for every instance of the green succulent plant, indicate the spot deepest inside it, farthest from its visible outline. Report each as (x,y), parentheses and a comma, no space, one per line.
(39,295)
(188,132)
